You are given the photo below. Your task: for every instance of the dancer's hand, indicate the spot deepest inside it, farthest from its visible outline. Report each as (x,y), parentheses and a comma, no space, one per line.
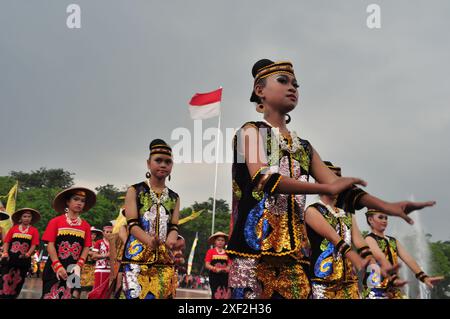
(398,283)
(387,269)
(151,242)
(171,240)
(402,209)
(61,274)
(342,184)
(357,261)
(431,281)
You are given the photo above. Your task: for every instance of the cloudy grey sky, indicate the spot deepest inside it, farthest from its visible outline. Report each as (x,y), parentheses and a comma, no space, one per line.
(89,100)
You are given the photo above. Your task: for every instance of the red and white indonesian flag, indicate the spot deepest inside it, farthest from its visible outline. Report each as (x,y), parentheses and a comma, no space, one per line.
(205,105)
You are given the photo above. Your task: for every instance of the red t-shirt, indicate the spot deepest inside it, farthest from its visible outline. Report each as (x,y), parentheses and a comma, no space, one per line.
(14,232)
(58,226)
(216,259)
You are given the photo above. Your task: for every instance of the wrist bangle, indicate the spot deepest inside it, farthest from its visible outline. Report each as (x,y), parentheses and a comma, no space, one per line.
(81,262)
(345,249)
(362,249)
(364,252)
(422,279)
(421,276)
(132,220)
(131,225)
(420,273)
(56,267)
(55,262)
(342,247)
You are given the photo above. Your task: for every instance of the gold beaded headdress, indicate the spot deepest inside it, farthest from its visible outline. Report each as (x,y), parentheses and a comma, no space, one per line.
(264,68)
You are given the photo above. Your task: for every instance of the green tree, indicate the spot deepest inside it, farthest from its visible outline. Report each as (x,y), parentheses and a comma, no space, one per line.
(440,266)
(43,178)
(6,182)
(111,193)
(40,199)
(102,213)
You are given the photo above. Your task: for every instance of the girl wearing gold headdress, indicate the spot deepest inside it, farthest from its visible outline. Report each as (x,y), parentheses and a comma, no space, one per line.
(332,274)
(376,286)
(152,212)
(271,168)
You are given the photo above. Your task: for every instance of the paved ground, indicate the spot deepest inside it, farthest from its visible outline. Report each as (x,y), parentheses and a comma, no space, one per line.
(32,289)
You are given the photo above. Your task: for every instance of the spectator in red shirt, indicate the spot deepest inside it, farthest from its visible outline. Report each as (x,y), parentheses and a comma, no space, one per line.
(19,245)
(69,240)
(218,264)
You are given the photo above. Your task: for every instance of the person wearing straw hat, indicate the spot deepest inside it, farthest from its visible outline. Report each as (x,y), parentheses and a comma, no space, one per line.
(375,285)
(69,239)
(20,243)
(218,264)
(152,213)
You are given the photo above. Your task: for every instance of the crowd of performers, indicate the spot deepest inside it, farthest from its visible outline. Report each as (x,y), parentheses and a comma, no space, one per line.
(276,248)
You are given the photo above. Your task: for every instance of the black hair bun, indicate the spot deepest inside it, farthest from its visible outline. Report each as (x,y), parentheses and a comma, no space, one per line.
(157,141)
(259,65)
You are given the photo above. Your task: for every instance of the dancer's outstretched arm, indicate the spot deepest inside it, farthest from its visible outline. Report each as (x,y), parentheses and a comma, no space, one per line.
(251,147)
(399,209)
(415,268)
(323,174)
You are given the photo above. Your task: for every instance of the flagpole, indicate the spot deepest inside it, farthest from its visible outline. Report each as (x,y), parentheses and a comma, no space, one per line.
(215,177)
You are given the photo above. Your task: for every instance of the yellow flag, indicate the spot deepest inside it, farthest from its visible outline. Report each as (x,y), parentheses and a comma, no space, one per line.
(120,221)
(10,207)
(191,254)
(192,216)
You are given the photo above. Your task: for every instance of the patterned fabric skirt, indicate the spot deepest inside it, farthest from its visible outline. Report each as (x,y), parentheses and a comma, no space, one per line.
(219,286)
(12,278)
(149,281)
(382,293)
(242,279)
(253,279)
(54,288)
(349,290)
